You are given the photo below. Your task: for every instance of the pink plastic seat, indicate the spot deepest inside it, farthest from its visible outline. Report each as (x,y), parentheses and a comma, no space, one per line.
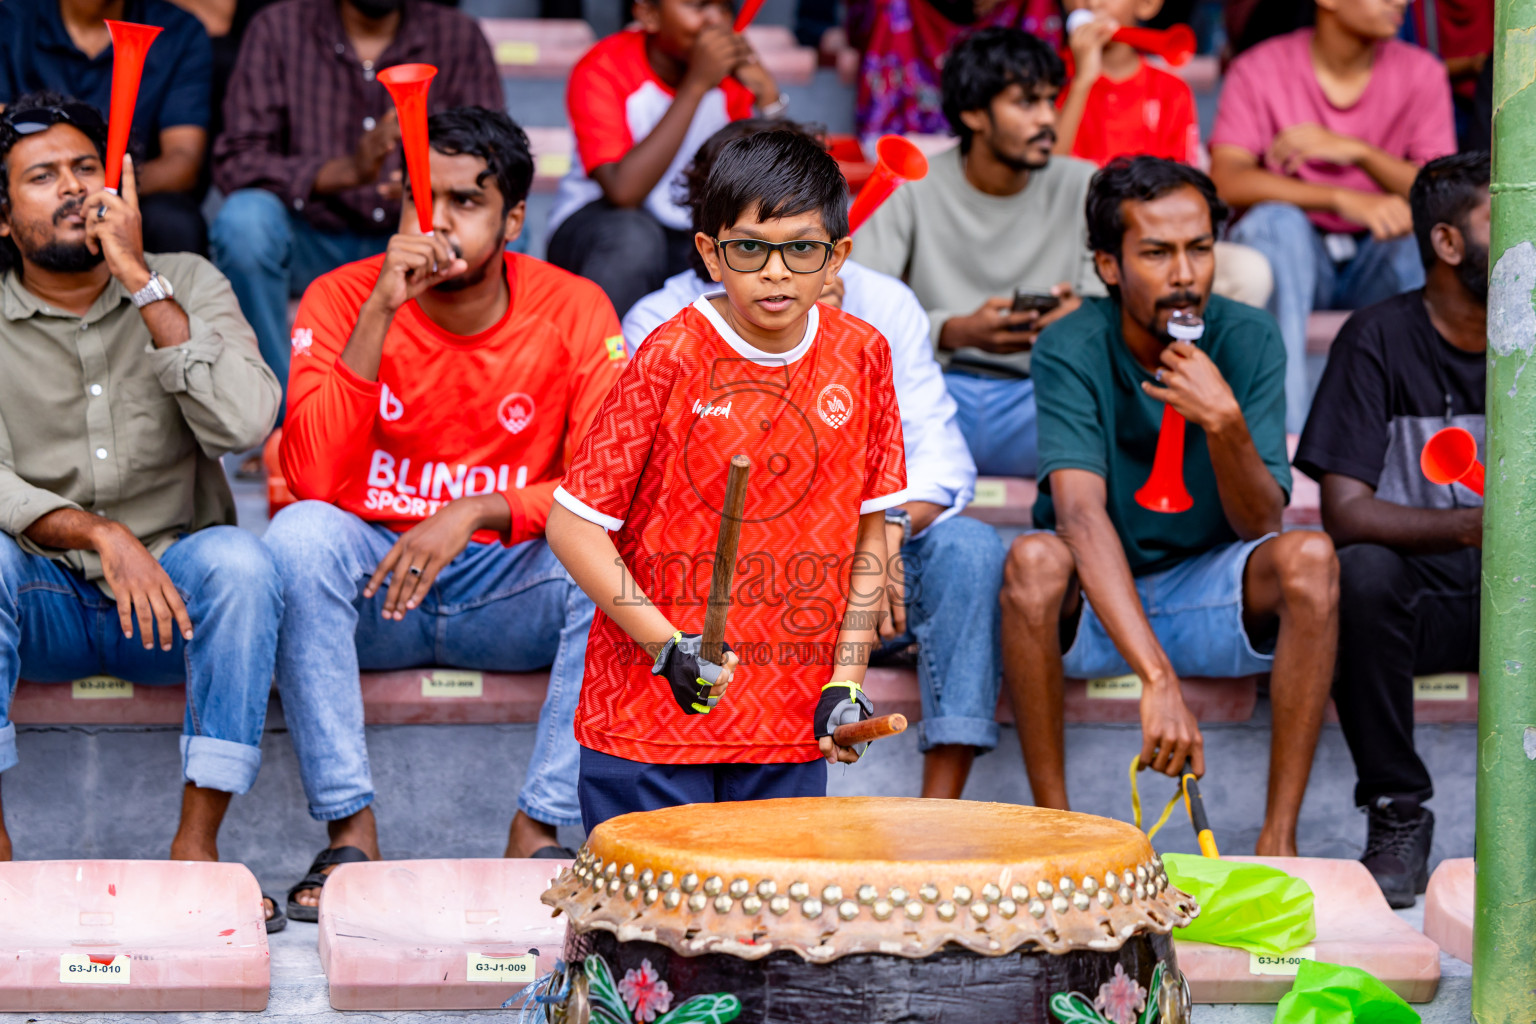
(895,690)
(98,700)
(1322,327)
(437,934)
(131,935)
(1004,501)
(1355,927)
(553,151)
(537,47)
(450,696)
(1448,907)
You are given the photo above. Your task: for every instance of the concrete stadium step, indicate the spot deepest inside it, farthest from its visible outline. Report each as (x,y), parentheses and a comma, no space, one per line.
(451,696)
(131,936)
(437,934)
(537,47)
(1448,907)
(1355,927)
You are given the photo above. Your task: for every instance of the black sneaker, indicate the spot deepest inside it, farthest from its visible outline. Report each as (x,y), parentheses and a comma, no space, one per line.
(1397,848)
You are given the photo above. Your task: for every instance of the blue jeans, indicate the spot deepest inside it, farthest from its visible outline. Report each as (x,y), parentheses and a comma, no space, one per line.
(954,573)
(55,627)
(492,608)
(1307,278)
(271,254)
(997,417)
(611,786)
(1196,612)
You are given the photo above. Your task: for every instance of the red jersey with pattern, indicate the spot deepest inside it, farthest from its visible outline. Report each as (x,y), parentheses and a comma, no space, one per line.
(500,412)
(613,100)
(821,426)
(1151,113)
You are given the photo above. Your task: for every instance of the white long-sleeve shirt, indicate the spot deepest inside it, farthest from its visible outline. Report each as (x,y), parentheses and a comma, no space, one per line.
(939,465)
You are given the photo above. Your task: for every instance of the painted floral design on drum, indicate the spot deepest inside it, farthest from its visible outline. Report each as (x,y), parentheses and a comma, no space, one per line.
(1121,1000)
(645,993)
(642,991)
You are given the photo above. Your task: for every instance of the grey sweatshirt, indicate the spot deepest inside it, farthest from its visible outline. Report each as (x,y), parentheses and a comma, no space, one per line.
(956,246)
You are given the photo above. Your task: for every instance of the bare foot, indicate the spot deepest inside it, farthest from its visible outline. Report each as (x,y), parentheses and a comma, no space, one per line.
(5,845)
(526,836)
(361,831)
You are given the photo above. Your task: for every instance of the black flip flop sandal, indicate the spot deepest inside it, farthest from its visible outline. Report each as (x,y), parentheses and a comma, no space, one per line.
(279,920)
(316,879)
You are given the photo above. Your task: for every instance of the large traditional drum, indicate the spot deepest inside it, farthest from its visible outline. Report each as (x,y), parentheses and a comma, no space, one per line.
(868,909)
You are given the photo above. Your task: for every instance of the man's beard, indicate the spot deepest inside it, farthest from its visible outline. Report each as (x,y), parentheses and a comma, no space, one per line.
(474,275)
(1028,163)
(54,255)
(1472,271)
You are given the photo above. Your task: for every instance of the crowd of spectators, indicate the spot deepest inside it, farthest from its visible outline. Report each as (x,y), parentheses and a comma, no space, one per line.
(433,390)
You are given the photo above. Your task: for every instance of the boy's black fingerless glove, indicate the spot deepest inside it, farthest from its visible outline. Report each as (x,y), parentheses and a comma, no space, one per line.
(688,673)
(842,703)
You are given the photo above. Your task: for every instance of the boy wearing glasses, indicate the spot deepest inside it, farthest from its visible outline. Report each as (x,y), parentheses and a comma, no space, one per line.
(805,392)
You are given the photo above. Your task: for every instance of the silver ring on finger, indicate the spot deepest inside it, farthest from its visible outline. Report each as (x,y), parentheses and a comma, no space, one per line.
(414,570)
(101,212)
(1158,376)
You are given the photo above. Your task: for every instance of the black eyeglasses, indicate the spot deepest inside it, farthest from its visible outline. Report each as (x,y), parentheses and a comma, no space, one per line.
(749,255)
(31,120)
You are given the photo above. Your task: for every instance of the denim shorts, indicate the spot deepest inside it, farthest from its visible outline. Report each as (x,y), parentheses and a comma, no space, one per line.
(1196,611)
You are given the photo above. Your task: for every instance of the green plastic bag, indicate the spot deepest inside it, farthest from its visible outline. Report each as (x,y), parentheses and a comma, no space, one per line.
(1335,994)
(1250,906)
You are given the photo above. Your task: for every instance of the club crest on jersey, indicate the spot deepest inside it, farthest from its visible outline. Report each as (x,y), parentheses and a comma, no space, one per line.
(834,405)
(516,412)
(303,339)
(711,409)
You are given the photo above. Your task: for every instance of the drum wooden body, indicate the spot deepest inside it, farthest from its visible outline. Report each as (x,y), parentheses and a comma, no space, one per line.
(868,909)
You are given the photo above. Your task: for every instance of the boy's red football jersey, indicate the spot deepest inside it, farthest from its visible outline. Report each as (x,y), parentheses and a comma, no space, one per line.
(1151,113)
(448,417)
(821,427)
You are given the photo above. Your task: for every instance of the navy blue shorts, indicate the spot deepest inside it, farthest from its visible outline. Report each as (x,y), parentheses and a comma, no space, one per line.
(611,786)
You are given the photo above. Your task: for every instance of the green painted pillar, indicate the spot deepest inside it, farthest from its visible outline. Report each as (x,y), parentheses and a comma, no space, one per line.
(1504,941)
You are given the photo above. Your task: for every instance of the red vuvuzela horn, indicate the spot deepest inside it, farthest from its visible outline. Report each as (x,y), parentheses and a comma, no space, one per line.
(1450,457)
(1164,490)
(408,85)
(130,45)
(746,14)
(897,161)
(1175,44)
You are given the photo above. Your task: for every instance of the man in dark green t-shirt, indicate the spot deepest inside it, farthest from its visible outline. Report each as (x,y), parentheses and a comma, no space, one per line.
(1215,590)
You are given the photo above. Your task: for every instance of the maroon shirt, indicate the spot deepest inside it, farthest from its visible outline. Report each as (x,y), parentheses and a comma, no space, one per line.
(299,96)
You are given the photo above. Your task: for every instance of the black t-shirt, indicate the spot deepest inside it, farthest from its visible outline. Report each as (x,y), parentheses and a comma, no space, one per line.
(1391,382)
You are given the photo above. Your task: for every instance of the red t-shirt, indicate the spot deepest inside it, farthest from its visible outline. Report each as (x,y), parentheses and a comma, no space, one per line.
(822,429)
(1151,113)
(613,100)
(449,416)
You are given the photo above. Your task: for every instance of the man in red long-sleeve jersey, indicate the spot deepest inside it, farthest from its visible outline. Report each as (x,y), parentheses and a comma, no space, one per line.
(437,394)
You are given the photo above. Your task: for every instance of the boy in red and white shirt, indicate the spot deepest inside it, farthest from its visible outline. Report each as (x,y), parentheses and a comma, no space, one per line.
(805,391)
(437,394)
(1119,105)
(641,103)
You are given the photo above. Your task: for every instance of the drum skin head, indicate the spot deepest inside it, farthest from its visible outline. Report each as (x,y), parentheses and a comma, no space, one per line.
(826,877)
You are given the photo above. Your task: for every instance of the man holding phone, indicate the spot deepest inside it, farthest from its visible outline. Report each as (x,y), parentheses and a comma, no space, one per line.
(993,240)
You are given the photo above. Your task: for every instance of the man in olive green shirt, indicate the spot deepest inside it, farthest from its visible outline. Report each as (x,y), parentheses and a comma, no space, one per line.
(125,377)
(1110,586)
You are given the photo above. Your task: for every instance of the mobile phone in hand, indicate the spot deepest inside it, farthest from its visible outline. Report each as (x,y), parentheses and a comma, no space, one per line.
(1036,302)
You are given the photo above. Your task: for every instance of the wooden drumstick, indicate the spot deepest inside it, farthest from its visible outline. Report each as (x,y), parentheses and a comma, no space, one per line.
(719,605)
(854,733)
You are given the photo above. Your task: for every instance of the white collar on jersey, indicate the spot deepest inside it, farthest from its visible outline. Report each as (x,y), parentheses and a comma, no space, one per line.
(752,352)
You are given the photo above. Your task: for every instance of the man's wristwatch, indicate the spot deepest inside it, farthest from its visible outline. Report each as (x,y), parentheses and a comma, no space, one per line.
(903,518)
(157,289)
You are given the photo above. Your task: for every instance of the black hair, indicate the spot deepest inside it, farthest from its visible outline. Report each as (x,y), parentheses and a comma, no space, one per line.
(1445,191)
(18,112)
(689,190)
(493,137)
(983,64)
(778,174)
(1140,179)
